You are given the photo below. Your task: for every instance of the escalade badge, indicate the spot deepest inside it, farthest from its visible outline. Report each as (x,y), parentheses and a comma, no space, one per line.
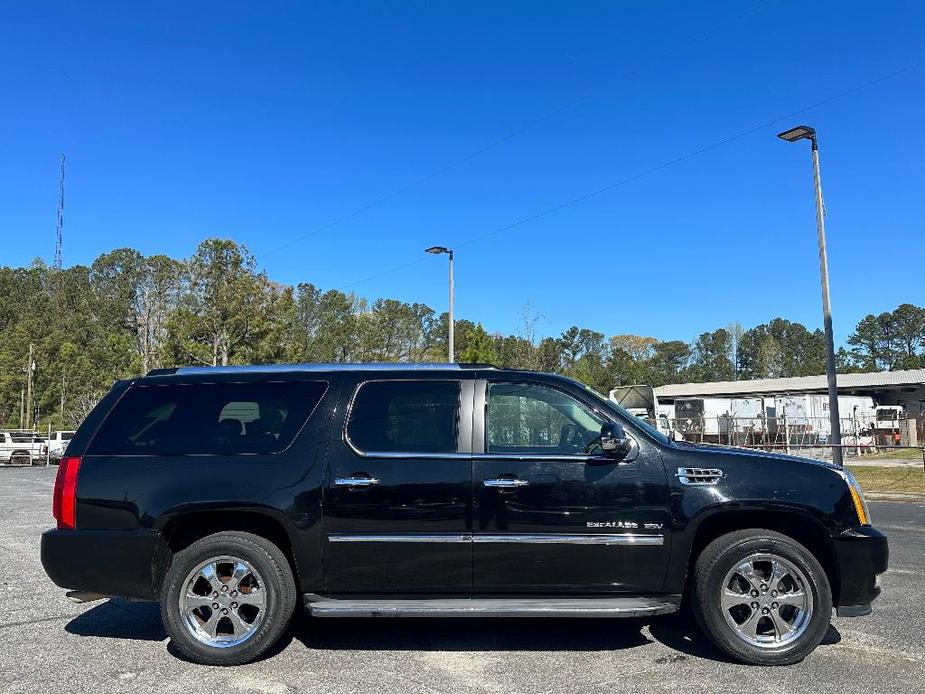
(626,525)
(613,524)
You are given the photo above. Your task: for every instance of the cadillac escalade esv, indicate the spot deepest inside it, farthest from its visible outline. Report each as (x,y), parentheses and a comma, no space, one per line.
(231,494)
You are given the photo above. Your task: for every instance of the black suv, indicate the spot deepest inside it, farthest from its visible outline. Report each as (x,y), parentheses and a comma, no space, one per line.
(229,494)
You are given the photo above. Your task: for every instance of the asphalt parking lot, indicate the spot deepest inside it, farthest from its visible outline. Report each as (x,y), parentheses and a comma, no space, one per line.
(50,645)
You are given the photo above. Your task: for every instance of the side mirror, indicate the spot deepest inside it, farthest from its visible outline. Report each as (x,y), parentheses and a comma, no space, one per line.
(614,441)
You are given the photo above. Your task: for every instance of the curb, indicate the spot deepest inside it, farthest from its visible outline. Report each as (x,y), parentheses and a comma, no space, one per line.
(894,496)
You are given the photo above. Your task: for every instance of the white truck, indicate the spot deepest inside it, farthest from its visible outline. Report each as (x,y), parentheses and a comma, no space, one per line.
(886,417)
(57,444)
(22,448)
(640,401)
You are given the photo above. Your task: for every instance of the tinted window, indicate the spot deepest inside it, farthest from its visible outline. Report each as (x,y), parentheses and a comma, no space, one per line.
(405,416)
(534,419)
(207,418)
(67,435)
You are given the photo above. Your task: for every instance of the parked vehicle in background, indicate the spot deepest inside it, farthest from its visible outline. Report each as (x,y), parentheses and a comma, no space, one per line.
(886,424)
(22,448)
(57,444)
(233,494)
(640,401)
(887,416)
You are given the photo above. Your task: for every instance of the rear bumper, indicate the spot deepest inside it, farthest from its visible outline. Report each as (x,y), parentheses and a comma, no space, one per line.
(119,562)
(862,555)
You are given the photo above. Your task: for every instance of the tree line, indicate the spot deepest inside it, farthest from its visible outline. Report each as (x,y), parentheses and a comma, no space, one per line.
(126,314)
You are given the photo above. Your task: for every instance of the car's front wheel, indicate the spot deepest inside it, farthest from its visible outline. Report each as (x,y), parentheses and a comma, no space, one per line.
(227,598)
(761,597)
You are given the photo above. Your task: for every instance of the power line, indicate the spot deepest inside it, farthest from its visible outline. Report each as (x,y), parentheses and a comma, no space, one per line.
(651,170)
(546,115)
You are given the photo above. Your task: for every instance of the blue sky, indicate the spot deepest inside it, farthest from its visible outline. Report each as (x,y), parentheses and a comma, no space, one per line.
(265,122)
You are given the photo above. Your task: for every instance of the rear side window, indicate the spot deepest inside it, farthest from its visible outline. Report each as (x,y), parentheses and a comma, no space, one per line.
(207,418)
(405,417)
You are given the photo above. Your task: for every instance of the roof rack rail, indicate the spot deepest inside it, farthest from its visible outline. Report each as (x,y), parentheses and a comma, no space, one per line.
(357,366)
(161,372)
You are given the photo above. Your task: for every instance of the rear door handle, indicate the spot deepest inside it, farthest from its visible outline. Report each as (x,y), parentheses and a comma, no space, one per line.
(503,483)
(355,481)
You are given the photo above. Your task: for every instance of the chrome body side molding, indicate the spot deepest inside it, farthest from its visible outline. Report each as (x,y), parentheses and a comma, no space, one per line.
(534,538)
(585,539)
(343,537)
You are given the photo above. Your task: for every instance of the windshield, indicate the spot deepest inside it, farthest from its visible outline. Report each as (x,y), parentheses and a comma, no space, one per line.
(626,416)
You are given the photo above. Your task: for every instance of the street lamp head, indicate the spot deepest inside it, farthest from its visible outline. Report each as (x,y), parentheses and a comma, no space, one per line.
(437,250)
(801,132)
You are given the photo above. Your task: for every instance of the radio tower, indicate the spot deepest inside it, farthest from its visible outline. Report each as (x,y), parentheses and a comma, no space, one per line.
(60,227)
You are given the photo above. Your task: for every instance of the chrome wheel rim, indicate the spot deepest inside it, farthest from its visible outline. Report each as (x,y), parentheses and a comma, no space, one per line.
(766,601)
(222,601)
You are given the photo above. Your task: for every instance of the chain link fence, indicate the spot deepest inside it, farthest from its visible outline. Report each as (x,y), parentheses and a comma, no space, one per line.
(863,435)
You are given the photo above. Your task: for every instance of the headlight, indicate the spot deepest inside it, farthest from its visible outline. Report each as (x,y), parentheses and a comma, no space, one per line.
(857,496)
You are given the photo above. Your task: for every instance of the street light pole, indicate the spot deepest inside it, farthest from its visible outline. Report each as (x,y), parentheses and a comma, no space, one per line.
(452,326)
(800,133)
(440,250)
(827,313)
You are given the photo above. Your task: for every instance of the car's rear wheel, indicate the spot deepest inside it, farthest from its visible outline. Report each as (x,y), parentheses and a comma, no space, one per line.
(227,598)
(761,597)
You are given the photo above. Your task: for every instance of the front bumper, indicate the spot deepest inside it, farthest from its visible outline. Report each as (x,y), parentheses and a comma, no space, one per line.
(21,457)
(862,555)
(116,562)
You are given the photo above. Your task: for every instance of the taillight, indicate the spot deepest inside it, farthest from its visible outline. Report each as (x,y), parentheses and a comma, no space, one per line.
(63,502)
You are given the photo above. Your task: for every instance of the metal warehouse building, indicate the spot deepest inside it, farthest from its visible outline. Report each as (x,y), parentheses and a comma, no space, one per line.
(905,388)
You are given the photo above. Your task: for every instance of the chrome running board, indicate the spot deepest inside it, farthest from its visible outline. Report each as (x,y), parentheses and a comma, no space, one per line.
(538,606)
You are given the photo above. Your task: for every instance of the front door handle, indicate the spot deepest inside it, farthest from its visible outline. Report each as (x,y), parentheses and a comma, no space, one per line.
(355,481)
(505,483)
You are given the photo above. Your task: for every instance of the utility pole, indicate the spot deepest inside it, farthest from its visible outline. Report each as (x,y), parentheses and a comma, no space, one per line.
(30,369)
(59,231)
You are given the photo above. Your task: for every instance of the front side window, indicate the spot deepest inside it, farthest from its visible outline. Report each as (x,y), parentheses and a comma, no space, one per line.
(625,415)
(405,417)
(532,419)
(207,418)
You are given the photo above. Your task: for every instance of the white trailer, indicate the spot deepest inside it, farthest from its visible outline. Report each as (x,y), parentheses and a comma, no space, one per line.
(706,418)
(810,413)
(749,408)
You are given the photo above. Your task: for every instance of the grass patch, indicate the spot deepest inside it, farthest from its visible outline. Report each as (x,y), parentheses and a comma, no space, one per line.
(909,479)
(895,454)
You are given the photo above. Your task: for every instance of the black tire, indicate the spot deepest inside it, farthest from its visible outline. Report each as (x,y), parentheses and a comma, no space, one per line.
(280,598)
(726,553)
